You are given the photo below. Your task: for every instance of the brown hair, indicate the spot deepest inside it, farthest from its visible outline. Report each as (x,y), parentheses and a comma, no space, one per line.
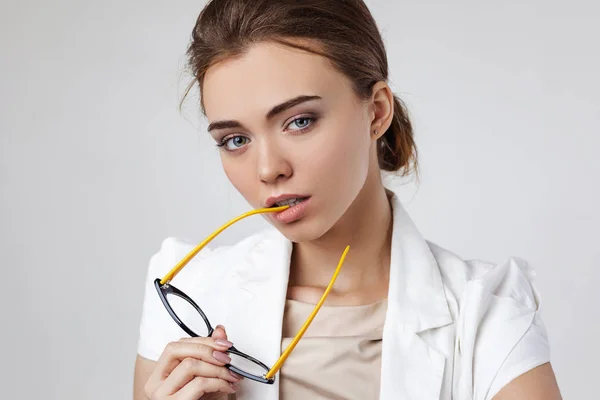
(345,33)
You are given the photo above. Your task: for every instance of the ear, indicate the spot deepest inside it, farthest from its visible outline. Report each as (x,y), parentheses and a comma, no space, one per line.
(382,109)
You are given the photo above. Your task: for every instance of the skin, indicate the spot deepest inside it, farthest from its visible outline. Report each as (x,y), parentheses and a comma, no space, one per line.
(186,370)
(324,147)
(334,160)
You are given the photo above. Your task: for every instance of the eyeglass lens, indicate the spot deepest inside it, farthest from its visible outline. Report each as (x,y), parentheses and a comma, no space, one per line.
(188,314)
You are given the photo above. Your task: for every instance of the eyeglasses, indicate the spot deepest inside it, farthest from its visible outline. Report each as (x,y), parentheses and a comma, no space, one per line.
(178,303)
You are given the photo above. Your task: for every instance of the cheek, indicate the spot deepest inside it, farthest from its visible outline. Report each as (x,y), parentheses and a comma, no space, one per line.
(239,175)
(344,152)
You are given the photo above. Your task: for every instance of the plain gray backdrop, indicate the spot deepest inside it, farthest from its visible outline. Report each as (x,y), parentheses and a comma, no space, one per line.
(97,166)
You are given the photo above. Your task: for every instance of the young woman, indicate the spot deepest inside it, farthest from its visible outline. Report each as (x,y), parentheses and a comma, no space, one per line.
(296,96)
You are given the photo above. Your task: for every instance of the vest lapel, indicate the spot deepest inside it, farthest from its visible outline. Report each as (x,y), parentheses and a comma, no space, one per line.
(411,368)
(258,286)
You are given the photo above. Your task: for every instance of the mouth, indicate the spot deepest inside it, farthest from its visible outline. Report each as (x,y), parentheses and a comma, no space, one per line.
(297,209)
(290,202)
(285,200)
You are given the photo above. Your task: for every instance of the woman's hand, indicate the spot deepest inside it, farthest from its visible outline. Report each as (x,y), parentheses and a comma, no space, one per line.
(192,369)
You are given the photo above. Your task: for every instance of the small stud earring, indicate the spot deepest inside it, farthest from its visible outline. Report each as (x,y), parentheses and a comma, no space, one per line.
(376,132)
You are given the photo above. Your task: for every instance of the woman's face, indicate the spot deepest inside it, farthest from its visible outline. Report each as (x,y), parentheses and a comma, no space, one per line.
(289,123)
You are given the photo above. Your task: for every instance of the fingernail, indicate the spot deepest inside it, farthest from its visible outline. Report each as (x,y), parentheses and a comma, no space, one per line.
(236,376)
(235,386)
(223,343)
(222,357)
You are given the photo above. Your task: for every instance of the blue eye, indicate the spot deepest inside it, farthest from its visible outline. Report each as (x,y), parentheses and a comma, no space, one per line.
(236,141)
(301,123)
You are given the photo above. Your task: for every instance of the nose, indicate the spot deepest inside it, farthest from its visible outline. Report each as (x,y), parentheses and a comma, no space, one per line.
(273,166)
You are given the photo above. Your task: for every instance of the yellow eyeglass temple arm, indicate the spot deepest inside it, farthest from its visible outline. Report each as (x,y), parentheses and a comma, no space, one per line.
(177,268)
(171,274)
(308,321)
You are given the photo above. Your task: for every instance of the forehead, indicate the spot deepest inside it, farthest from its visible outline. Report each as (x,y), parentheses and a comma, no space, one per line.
(266,75)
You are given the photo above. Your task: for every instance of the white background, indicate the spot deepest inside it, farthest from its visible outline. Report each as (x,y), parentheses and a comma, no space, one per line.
(97,166)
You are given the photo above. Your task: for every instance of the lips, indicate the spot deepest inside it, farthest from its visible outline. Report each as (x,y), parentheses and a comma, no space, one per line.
(294,213)
(284,199)
(290,202)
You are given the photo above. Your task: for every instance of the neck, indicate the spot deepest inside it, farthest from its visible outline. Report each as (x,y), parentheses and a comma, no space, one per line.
(367,228)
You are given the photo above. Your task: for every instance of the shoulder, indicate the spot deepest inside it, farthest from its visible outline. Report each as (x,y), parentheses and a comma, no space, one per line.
(513,278)
(200,279)
(498,329)
(174,249)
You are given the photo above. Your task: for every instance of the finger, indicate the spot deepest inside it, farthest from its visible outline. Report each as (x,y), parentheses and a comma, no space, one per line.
(190,368)
(186,371)
(220,333)
(200,386)
(218,343)
(175,352)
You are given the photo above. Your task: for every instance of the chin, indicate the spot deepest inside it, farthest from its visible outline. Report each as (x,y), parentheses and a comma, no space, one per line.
(302,230)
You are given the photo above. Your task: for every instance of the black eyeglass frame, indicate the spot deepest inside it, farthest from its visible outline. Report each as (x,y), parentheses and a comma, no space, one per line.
(166,289)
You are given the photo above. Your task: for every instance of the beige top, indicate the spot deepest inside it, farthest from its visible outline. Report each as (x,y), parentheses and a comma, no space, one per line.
(339,356)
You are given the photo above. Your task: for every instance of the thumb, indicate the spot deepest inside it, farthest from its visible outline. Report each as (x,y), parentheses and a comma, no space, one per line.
(219,332)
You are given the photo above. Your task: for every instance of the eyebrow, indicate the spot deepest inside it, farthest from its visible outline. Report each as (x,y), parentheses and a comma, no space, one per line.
(278,109)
